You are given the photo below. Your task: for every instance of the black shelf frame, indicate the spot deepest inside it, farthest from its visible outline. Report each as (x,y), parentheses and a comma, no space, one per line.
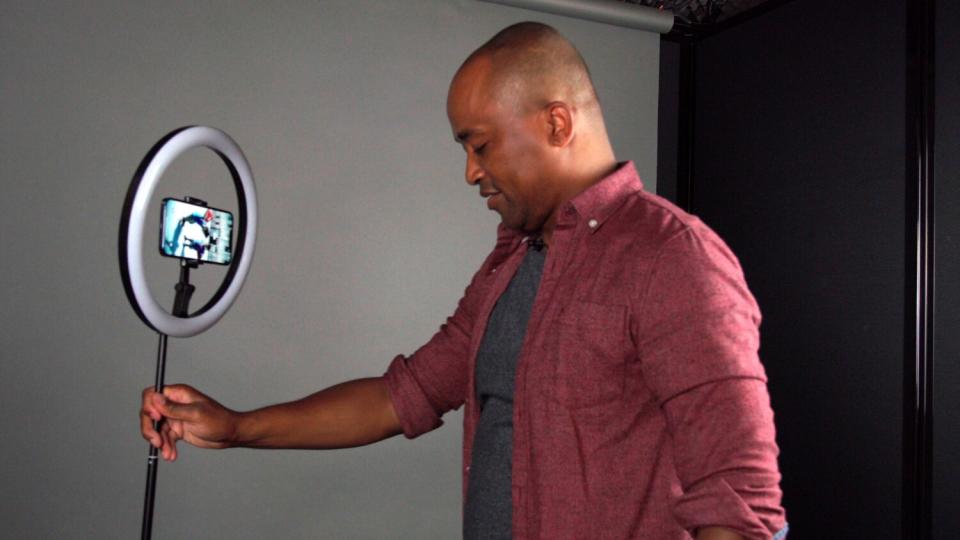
(918,354)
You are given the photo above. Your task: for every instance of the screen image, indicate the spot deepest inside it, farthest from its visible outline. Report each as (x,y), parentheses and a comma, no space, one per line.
(190,231)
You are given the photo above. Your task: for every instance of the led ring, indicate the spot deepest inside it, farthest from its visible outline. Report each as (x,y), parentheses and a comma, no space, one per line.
(134,218)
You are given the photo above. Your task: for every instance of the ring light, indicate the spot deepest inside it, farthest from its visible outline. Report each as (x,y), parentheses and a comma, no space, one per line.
(134,217)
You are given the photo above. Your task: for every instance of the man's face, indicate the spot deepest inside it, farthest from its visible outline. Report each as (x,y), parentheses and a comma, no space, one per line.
(507,155)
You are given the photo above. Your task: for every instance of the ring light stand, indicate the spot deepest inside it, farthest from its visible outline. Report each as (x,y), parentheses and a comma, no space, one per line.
(180,323)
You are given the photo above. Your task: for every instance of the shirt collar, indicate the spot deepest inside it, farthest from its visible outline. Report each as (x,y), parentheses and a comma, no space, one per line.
(599,201)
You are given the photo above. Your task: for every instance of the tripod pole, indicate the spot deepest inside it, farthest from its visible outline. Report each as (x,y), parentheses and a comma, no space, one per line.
(152,460)
(180,309)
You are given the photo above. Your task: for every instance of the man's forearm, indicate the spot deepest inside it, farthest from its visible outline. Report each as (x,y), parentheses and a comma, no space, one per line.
(350,414)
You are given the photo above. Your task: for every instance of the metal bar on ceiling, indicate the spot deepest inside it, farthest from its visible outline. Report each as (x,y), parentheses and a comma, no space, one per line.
(604,11)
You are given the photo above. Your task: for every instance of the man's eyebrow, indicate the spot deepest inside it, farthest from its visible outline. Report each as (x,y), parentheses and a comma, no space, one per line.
(462,136)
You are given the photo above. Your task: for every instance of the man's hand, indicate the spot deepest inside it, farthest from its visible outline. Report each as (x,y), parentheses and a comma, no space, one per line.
(187,414)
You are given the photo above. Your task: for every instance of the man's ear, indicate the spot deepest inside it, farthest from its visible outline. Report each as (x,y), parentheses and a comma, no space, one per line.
(560,123)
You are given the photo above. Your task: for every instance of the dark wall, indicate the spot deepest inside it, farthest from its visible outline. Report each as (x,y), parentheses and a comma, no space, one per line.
(946,427)
(800,165)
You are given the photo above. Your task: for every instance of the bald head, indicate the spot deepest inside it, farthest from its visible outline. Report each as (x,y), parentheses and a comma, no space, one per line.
(525,111)
(530,64)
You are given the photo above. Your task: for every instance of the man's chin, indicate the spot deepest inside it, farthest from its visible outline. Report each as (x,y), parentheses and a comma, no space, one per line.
(510,223)
(519,227)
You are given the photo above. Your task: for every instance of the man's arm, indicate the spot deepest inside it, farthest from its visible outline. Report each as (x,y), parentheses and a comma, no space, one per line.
(700,327)
(426,385)
(353,413)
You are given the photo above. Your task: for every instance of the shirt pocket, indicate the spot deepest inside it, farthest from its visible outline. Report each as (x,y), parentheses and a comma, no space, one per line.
(591,356)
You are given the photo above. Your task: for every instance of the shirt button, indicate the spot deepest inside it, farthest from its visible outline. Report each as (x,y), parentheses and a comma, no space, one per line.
(592,224)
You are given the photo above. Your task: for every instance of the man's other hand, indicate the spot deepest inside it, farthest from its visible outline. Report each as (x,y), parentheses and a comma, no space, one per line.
(187,414)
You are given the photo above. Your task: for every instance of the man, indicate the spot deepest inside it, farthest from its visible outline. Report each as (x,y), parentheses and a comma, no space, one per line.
(606,350)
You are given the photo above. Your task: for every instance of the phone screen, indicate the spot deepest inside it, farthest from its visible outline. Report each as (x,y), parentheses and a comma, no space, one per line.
(198,233)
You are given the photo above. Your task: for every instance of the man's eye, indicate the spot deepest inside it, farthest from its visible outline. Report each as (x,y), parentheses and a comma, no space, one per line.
(479,150)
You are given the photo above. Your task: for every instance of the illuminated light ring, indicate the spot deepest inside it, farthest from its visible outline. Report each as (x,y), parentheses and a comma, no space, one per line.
(133,221)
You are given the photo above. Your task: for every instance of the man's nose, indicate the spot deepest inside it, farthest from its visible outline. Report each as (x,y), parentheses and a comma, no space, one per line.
(474,172)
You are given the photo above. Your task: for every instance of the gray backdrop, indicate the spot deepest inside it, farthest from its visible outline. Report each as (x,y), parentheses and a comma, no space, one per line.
(368,236)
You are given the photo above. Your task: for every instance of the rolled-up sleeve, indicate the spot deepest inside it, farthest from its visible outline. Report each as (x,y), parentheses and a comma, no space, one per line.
(726,458)
(699,352)
(433,380)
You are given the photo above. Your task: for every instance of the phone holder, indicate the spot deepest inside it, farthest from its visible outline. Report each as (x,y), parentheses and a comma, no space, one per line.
(133,223)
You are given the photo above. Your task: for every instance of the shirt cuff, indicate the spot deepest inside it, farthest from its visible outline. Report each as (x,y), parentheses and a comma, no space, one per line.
(417,416)
(714,503)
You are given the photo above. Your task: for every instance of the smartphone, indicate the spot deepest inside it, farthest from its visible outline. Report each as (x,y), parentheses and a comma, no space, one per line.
(197,233)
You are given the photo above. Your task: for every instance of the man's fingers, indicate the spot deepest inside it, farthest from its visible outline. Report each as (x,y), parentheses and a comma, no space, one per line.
(170,429)
(146,428)
(150,435)
(176,429)
(181,393)
(148,410)
(167,446)
(172,409)
(170,442)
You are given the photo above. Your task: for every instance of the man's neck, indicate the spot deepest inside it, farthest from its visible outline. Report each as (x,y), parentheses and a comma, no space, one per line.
(574,186)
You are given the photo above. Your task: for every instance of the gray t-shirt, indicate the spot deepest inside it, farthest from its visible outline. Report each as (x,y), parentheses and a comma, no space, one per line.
(489,506)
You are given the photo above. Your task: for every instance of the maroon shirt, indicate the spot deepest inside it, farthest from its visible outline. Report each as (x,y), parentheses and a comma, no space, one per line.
(641,406)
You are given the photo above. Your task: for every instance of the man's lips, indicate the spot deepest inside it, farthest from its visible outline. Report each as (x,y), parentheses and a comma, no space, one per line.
(491,196)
